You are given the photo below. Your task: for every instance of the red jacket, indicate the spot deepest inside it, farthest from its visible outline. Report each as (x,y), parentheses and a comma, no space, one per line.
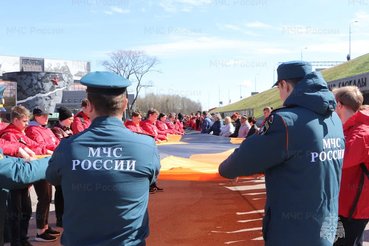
(8,147)
(356,131)
(149,127)
(61,131)
(77,125)
(136,128)
(163,127)
(12,134)
(171,127)
(42,135)
(179,126)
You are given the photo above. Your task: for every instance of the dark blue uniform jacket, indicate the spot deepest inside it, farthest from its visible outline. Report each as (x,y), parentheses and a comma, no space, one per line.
(105,173)
(300,149)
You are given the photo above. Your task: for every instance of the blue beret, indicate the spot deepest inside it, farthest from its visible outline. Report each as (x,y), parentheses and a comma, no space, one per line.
(2,89)
(105,83)
(293,70)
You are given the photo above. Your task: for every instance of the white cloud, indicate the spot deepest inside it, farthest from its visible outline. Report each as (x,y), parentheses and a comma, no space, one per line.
(119,10)
(143,10)
(93,11)
(210,44)
(108,12)
(236,28)
(261,25)
(183,5)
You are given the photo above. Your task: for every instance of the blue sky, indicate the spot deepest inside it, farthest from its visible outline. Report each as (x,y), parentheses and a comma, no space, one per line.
(208,49)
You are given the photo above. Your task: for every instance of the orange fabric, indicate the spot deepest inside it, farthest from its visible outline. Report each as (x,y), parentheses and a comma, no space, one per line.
(212,158)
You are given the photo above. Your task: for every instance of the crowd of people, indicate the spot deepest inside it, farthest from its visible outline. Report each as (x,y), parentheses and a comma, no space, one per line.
(37,139)
(241,127)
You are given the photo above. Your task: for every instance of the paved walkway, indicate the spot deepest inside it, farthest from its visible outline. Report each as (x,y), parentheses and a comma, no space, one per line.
(200,214)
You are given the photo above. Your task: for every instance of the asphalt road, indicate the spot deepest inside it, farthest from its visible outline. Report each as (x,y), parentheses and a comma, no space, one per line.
(198,213)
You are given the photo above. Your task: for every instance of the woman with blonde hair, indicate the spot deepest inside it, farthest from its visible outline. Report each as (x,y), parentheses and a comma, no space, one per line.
(228,128)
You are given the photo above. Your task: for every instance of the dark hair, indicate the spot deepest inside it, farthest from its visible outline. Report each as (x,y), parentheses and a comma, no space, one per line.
(292,82)
(84,102)
(107,104)
(205,112)
(252,119)
(136,113)
(180,117)
(151,111)
(161,115)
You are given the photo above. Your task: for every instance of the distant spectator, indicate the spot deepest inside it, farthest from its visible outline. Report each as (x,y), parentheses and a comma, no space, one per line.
(207,122)
(245,127)
(217,127)
(198,121)
(228,129)
(179,123)
(62,130)
(236,118)
(254,128)
(134,124)
(82,119)
(170,124)
(150,126)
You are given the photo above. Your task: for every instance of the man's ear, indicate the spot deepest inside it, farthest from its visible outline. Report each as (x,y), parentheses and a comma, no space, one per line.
(90,107)
(125,104)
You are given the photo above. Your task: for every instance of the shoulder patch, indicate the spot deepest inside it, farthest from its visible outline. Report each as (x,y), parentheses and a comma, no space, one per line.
(267,123)
(1,157)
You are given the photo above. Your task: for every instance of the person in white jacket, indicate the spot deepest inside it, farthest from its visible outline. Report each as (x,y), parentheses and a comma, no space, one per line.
(228,129)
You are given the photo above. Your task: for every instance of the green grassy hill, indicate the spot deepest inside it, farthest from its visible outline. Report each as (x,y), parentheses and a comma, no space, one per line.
(258,102)
(271,97)
(354,67)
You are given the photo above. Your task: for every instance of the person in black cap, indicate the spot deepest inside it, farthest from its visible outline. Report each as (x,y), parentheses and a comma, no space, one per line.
(105,171)
(305,144)
(38,131)
(62,130)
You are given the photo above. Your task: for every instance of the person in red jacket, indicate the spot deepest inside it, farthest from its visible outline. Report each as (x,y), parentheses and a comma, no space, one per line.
(21,208)
(354,192)
(162,126)
(150,126)
(12,149)
(81,119)
(37,131)
(170,124)
(62,130)
(134,124)
(179,123)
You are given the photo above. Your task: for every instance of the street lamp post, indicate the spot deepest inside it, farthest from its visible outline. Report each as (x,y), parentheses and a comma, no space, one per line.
(301,52)
(350,38)
(255,81)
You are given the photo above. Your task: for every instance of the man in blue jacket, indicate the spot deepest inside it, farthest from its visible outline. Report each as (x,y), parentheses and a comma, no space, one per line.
(305,146)
(105,171)
(206,123)
(16,173)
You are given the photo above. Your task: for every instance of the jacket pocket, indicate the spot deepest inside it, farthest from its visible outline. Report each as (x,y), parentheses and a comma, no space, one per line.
(266,221)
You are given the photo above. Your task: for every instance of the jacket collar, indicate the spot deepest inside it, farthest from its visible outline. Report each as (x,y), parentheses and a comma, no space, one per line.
(361,117)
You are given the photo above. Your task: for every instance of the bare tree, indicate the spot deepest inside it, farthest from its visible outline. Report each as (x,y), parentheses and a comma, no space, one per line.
(132,65)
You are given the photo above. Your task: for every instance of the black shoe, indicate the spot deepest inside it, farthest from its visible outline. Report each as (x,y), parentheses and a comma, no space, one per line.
(59,223)
(159,189)
(45,237)
(27,244)
(52,232)
(152,189)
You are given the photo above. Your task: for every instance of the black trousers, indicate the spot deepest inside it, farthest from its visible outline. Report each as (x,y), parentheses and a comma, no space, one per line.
(43,190)
(59,203)
(354,232)
(21,211)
